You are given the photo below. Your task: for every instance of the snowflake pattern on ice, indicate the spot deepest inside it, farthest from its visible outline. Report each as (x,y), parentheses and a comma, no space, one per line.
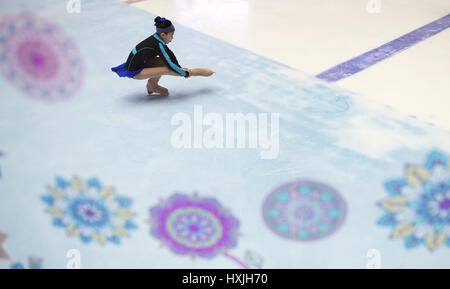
(89,211)
(193,225)
(39,58)
(418,206)
(304,210)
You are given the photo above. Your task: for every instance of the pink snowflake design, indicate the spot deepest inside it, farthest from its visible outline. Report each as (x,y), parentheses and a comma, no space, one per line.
(39,58)
(195,226)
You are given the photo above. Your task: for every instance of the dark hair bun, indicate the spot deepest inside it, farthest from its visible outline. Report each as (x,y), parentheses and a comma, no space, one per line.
(162,24)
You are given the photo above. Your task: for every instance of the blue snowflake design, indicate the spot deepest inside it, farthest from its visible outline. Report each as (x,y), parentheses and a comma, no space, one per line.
(418,205)
(89,211)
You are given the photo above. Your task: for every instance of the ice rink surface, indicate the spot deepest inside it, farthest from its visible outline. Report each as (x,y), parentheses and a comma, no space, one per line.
(88,160)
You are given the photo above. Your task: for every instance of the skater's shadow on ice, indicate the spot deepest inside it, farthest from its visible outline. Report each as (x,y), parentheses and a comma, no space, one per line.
(139,98)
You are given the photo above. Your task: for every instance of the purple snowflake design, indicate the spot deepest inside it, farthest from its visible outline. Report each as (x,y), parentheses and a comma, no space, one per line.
(39,58)
(195,226)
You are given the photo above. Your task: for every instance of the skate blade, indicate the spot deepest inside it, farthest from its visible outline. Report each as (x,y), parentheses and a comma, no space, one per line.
(155,94)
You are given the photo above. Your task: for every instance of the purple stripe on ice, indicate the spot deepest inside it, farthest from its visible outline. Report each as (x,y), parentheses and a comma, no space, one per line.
(369,58)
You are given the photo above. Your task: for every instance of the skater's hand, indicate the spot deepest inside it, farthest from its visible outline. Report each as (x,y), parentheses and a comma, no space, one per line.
(188,71)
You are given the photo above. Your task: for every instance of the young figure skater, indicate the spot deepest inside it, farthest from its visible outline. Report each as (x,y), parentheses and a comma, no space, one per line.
(152,59)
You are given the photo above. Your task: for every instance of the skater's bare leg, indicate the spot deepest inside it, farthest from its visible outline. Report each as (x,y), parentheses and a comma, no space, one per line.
(200,72)
(152,83)
(152,86)
(154,72)
(161,69)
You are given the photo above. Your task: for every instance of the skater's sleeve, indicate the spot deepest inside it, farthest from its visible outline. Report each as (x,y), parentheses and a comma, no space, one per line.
(169,58)
(172,57)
